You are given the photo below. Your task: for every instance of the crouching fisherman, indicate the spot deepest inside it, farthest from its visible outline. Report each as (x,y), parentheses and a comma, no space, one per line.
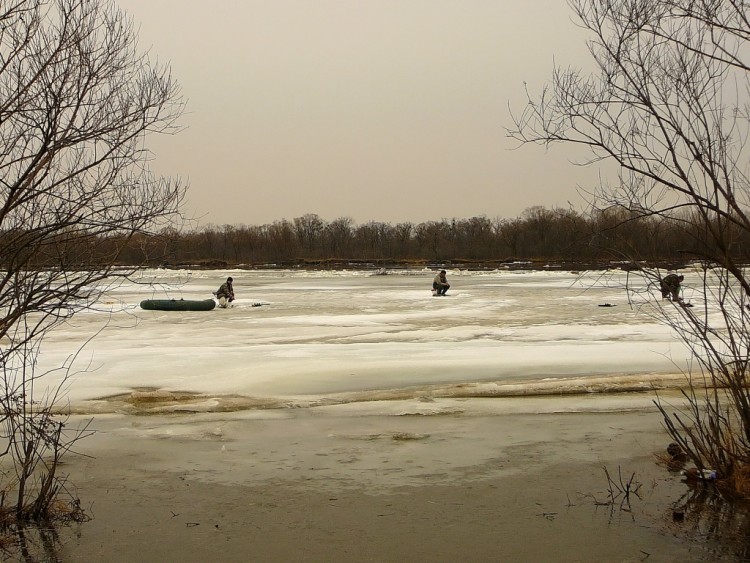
(440,284)
(670,287)
(225,294)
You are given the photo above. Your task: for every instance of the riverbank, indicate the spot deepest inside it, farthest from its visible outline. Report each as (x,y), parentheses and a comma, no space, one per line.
(335,484)
(384,265)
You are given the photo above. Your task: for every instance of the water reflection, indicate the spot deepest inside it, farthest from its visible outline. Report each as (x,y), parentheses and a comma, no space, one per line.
(31,543)
(704,515)
(34,542)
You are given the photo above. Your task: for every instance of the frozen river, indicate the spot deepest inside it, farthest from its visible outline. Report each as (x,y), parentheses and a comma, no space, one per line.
(351,336)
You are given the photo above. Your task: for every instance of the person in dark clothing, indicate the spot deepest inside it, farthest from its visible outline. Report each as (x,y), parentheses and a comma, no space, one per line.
(440,284)
(670,287)
(225,294)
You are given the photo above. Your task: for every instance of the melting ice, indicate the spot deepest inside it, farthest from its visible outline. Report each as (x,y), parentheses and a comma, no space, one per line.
(300,338)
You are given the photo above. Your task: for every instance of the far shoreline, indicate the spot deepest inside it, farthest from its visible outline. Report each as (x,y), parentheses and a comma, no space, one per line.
(385,264)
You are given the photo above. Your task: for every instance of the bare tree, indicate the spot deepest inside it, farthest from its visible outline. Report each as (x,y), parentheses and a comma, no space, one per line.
(77,100)
(309,229)
(668,105)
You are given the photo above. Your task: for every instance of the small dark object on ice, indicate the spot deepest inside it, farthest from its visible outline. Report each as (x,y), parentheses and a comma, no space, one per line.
(607,305)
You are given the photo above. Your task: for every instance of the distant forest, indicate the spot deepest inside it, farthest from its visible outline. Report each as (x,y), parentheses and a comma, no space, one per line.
(538,235)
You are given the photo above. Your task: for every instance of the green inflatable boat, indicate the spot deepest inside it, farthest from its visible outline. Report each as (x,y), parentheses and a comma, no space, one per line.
(178,304)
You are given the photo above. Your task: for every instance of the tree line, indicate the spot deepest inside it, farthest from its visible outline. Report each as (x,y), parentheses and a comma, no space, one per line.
(540,233)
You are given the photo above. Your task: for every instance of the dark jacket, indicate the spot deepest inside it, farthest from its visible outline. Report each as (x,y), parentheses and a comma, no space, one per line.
(226,290)
(671,282)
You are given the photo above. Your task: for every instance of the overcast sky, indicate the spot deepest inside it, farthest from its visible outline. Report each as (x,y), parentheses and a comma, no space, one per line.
(385,110)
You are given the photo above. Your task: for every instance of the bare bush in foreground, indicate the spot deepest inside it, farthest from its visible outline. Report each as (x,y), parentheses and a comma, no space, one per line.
(668,108)
(77,100)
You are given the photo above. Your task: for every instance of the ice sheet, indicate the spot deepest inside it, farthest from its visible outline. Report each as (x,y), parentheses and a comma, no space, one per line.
(318,335)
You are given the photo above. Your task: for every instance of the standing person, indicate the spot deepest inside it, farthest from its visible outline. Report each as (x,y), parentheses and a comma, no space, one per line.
(225,294)
(440,284)
(670,287)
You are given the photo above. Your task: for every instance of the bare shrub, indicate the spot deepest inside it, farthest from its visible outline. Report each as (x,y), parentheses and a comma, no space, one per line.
(667,110)
(77,100)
